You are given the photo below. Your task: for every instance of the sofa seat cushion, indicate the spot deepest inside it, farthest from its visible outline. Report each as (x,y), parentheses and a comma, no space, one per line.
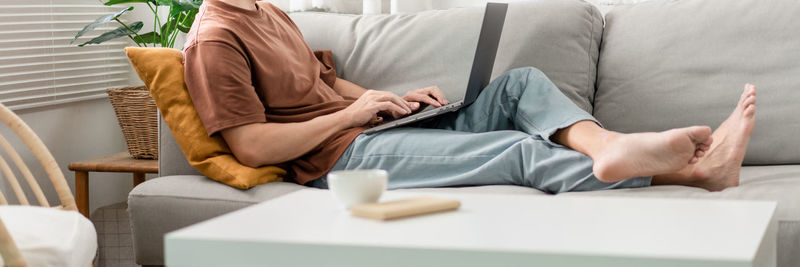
(200,188)
(189,199)
(169,203)
(779,183)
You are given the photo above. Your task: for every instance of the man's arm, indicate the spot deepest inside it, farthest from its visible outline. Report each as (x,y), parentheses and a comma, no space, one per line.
(347,89)
(259,144)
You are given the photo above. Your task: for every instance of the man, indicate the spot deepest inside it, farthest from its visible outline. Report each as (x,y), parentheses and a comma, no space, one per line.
(254,80)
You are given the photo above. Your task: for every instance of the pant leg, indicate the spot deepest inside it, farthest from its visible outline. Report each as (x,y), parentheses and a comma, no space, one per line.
(502,138)
(522,99)
(417,157)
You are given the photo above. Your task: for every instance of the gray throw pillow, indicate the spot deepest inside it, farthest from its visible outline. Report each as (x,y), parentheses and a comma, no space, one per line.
(667,63)
(407,51)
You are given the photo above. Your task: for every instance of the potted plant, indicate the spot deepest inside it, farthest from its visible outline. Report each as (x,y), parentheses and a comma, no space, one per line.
(179,19)
(135,108)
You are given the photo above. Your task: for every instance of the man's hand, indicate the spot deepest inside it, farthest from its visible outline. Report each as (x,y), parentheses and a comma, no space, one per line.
(428,95)
(366,108)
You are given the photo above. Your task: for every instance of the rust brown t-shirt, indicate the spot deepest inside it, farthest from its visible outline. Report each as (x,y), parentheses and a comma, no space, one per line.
(253,66)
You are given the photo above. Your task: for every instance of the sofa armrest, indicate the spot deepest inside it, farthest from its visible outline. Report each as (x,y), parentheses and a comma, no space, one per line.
(171,160)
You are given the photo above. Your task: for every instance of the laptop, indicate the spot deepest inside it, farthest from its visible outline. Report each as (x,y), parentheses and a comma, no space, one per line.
(480,75)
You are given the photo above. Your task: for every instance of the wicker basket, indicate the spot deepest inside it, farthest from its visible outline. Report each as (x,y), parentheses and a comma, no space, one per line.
(138,118)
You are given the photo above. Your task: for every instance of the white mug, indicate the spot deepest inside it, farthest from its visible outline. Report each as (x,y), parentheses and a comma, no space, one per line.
(354,187)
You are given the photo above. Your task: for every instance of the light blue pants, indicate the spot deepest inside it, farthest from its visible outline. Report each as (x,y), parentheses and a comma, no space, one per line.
(503,138)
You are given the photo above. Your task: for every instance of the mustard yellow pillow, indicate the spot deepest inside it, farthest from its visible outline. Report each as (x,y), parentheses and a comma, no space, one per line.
(161,69)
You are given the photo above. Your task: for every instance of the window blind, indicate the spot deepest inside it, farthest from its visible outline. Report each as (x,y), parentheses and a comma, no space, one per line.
(38,65)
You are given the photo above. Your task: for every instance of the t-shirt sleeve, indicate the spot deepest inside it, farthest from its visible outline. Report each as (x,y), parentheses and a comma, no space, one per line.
(219,83)
(327,67)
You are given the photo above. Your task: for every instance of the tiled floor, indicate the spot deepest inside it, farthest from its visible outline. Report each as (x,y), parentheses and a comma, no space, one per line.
(114,236)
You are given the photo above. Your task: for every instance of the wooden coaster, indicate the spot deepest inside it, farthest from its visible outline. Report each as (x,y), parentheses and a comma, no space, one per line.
(404,208)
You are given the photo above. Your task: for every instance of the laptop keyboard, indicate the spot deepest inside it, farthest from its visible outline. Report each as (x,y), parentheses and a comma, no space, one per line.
(416,117)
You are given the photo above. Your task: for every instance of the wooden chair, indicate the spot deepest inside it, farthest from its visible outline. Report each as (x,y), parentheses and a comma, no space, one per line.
(10,253)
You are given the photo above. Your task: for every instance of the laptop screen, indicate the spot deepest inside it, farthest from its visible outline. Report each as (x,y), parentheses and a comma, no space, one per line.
(481,74)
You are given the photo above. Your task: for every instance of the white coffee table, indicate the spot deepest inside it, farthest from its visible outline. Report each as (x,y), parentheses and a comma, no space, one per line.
(308,228)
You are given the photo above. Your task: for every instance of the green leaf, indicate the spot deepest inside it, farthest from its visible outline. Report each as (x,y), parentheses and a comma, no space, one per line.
(167,28)
(116,2)
(187,23)
(184,29)
(172,21)
(147,38)
(183,4)
(100,21)
(188,4)
(116,33)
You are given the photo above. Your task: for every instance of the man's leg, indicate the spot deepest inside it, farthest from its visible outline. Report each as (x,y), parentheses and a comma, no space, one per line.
(471,148)
(524,99)
(417,157)
(714,166)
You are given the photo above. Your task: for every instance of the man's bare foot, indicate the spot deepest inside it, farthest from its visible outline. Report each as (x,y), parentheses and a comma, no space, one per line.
(719,169)
(647,154)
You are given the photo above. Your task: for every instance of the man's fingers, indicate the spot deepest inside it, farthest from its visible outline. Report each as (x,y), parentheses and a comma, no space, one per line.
(392,109)
(402,103)
(414,105)
(437,93)
(390,97)
(427,99)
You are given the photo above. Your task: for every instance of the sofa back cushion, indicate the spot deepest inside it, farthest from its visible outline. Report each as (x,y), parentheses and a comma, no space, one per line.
(407,51)
(668,63)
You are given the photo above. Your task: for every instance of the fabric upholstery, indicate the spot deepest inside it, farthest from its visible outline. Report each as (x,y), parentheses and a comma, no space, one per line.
(161,69)
(788,243)
(766,183)
(169,148)
(49,236)
(189,199)
(408,51)
(186,199)
(192,198)
(769,183)
(657,72)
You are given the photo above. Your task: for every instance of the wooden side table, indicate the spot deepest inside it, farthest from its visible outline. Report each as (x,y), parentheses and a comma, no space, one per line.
(120,162)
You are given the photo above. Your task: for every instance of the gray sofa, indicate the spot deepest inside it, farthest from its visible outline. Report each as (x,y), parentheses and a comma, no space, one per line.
(654,65)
